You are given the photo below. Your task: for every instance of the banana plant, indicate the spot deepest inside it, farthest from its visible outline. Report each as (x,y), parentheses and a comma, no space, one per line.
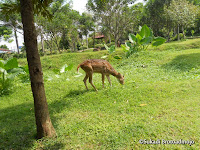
(141,41)
(9,69)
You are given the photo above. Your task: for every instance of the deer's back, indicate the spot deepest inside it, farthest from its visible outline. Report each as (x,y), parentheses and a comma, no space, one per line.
(97,66)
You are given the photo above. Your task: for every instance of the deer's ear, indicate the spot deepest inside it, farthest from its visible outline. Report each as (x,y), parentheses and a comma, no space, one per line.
(123,76)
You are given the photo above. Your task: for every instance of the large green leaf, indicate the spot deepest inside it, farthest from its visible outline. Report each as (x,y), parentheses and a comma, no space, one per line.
(1,64)
(146,41)
(11,63)
(66,68)
(112,49)
(139,38)
(158,41)
(106,46)
(145,31)
(128,44)
(125,48)
(132,38)
(14,72)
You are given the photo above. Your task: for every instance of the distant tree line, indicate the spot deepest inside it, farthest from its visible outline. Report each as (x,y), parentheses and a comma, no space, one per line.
(115,19)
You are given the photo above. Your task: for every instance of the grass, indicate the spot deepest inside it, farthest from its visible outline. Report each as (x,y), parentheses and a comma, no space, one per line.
(160,100)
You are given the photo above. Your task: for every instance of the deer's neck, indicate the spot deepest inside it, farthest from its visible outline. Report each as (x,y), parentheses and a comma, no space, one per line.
(114,73)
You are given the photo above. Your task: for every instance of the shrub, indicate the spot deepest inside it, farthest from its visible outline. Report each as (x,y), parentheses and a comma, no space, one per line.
(8,70)
(83,47)
(110,44)
(141,41)
(175,38)
(99,45)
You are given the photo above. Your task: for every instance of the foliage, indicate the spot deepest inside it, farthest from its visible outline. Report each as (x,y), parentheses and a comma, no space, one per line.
(110,49)
(63,69)
(99,45)
(86,24)
(8,71)
(192,32)
(110,44)
(141,41)
(4,46)
(5,32)
(182,14)
(115,16)
(83,47)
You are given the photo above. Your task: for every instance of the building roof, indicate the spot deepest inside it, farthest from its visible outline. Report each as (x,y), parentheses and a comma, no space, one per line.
(2,50)
(99,37)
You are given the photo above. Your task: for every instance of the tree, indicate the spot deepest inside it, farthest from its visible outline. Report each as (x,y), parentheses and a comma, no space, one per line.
(86,25)
(57,31)
(43,121)
(182,13)
(13,22)
(5,32)
(113,15)
(153,15)
(4,46)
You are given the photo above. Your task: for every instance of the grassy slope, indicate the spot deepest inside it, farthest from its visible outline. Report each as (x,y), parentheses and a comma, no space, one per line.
(168,82)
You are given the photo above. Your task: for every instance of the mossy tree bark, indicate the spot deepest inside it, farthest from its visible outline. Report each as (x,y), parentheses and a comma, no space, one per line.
(43,121)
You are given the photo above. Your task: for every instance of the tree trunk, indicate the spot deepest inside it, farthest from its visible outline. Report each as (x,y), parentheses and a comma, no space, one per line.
(42,43)
(43,122)
(16,40)
(94,39)
(87,41)
(183,32)
(178,33)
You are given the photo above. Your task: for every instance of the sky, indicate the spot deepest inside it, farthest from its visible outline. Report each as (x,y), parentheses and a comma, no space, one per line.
(79,5)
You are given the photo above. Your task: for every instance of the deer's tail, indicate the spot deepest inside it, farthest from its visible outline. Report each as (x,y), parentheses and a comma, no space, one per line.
(78,67)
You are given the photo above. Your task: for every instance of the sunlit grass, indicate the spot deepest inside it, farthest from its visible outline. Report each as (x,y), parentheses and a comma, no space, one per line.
(160,100)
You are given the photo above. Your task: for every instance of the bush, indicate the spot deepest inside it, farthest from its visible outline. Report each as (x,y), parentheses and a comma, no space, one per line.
(22,55)
(110,44)
(83,47)
(175,38)
(99,45)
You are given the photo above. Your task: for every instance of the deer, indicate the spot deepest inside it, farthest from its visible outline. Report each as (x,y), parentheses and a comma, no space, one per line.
(91,66)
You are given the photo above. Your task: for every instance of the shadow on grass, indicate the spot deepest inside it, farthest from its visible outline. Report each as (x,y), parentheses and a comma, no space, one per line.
(184,62)
(74,93)
(18,129)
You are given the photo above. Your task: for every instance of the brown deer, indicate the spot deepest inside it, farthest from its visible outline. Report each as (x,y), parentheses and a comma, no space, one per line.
(99,66)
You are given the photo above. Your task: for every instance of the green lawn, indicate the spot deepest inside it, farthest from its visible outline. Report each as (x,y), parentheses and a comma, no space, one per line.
(160,100)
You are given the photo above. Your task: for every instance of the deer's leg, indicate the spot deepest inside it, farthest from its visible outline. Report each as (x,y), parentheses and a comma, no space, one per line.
(103,77)
(90,80)
(84,80)
(108,77)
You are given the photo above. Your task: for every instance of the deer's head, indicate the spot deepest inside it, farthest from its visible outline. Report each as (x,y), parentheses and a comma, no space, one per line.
(120,78)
